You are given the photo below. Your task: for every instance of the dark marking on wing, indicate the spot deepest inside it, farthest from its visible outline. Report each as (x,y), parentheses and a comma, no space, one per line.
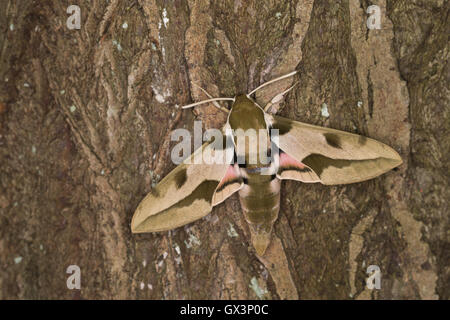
(289,168)
(180,178)
(155,192)
(204,190)
(282,126)
(238,180)
(318,163)
(333,140)
(362,140)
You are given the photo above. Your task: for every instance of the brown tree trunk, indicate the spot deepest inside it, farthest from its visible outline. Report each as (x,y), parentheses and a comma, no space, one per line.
(85,122)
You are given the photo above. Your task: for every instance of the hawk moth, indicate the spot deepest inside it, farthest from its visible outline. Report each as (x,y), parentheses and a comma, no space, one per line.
(306,153)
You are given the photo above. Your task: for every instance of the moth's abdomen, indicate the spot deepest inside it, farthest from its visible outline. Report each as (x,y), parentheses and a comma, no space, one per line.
(260,202)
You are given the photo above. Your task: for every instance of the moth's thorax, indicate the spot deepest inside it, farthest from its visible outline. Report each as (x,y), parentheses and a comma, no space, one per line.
(245,114)
(250,132)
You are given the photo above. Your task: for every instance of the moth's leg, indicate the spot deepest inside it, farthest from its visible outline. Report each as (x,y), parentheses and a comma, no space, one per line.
(278,98)
(272,81)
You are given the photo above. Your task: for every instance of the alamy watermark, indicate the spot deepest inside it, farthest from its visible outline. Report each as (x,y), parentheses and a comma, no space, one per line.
(74,280)
(260,147)
(374,279)
(374,20)
(74,20)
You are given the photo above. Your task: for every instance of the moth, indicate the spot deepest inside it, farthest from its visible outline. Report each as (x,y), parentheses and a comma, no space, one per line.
(305,153)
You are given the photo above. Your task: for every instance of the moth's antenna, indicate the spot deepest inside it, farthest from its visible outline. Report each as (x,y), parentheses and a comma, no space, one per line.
(278,97)
(204,91)
(272,81)
(218,106)
(209,100)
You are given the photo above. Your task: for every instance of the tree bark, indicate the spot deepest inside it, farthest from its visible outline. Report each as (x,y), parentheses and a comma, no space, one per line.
(85,122)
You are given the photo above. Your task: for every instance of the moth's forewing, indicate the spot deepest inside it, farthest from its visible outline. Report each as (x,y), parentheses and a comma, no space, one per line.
(336,157)
(183,196)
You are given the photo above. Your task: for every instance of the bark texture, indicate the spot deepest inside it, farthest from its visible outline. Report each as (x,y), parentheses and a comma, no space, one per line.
(85,122)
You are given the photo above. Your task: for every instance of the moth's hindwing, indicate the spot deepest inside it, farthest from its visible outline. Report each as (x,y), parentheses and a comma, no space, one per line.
(186,194)
(336,157)
(292,169)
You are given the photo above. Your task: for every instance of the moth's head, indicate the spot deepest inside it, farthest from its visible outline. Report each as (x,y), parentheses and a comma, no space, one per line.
(245,114)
